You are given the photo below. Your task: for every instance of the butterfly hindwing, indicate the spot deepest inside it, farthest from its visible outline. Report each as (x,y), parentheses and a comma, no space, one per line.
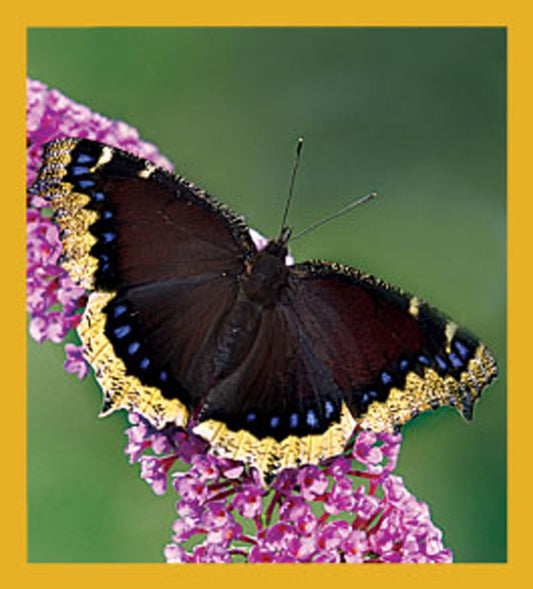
(392,355)
(281,387)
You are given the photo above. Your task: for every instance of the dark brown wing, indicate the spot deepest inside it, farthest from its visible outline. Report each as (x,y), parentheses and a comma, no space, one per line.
(391,355)
(166,254)
(126,222)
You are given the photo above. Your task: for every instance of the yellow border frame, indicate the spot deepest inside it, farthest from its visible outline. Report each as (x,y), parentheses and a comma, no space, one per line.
(513,14)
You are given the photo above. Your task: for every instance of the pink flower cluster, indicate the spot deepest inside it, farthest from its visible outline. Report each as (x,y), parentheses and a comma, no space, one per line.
(350,509)
(53,301)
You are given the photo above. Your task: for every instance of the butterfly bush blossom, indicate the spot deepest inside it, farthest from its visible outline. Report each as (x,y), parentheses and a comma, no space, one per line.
(352,508)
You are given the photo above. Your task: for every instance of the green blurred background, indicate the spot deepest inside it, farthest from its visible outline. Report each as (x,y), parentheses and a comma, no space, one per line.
(417,114)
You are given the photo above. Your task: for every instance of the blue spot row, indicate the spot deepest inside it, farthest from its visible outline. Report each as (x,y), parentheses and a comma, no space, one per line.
(131,349)
(450,361)
(311,417)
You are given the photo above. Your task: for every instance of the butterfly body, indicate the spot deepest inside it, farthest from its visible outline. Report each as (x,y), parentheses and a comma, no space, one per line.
(266,277)
(189,322)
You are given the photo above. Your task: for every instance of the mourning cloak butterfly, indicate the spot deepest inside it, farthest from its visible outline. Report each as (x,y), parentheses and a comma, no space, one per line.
(188,322)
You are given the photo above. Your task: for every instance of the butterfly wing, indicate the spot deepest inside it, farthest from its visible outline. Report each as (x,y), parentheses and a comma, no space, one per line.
(125,222)
(162,259)
(392,355)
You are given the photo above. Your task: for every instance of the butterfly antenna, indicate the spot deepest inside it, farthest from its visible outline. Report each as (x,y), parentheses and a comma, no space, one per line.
(336,214)
(284,231)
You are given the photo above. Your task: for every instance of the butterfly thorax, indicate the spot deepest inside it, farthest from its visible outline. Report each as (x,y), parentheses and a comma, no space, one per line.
(266,274)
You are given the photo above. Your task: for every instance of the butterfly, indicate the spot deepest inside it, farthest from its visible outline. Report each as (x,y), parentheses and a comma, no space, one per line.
(189,322)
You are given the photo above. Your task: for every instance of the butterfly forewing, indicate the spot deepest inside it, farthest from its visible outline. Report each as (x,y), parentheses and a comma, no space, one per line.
(150,225)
